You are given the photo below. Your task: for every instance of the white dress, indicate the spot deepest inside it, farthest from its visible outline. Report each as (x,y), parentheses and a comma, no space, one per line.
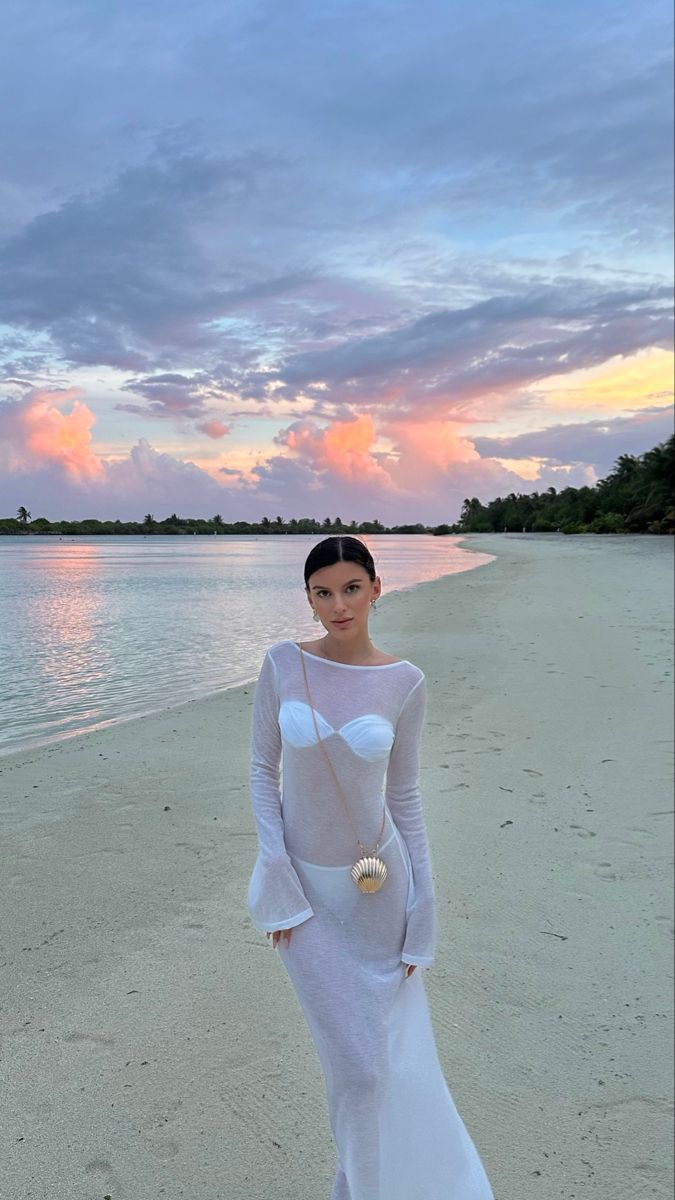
(396,1128)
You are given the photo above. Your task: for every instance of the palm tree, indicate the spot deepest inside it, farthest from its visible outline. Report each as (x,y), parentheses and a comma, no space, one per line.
(23,515)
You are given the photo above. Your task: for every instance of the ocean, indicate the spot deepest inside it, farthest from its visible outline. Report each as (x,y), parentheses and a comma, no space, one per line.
(94,631)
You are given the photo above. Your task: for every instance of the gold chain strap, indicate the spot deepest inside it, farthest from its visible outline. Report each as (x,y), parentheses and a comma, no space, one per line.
(337,782)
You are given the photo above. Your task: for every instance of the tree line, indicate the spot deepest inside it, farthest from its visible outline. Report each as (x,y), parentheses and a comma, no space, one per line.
(636,497)
(24,523)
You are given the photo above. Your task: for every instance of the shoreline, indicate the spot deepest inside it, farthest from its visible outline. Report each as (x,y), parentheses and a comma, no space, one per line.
(108,721)
(153,1043)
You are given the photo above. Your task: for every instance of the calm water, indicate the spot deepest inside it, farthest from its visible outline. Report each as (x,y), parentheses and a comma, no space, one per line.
(98,630)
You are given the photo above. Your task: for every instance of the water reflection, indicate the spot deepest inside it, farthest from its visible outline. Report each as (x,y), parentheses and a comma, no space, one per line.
(70,613)
(98,630)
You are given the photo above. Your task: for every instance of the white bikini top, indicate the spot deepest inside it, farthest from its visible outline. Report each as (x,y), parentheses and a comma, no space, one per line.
(370,736)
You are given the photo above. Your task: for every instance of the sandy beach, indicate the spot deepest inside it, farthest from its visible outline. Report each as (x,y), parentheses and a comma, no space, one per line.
(152,1045)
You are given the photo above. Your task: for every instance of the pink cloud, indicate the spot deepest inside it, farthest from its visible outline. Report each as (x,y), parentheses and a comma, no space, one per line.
(425,450)
(214,429)
(402,470)
(40,434)
(343,448)
(50,465)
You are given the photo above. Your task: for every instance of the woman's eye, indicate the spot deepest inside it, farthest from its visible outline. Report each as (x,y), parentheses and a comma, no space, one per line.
(355,586)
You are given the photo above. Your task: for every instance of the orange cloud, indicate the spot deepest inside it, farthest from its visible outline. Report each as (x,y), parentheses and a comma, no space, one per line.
(343,447)
(53,436)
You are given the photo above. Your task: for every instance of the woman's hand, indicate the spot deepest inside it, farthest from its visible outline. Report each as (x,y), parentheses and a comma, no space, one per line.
(276,935)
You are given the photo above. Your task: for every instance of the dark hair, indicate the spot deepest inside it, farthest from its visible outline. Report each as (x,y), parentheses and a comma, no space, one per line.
(339,549)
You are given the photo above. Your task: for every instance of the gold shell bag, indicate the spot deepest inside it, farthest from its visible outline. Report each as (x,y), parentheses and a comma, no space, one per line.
(370,871)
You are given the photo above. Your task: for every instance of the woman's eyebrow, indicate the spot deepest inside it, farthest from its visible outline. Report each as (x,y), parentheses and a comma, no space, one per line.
(321,587)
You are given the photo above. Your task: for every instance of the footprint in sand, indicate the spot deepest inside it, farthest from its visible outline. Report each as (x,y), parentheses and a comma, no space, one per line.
(605,871)
(162,1147)
(647,833)
(97,1039)
(107,1177)
(583,832)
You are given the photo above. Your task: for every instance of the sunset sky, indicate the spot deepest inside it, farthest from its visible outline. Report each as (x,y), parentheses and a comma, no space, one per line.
(326,258)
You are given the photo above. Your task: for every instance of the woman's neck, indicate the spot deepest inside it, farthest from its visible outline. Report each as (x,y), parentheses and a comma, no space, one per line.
(355,654)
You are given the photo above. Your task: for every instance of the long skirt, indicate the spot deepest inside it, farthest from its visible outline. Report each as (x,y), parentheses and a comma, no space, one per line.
(397,1131)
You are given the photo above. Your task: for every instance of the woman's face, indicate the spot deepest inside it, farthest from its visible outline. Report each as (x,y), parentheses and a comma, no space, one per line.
(341,595)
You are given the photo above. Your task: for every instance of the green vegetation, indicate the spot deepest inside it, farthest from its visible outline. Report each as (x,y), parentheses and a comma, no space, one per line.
(636,497)
(188,525)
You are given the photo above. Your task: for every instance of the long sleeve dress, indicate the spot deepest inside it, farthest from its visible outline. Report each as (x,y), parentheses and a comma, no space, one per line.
(397,1131)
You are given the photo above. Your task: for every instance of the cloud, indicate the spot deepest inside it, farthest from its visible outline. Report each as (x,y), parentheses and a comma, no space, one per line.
(430,451)
(124,276)
(598,442)
(501,337)
(342,449)
(214,429)
(169,395)
(409,235)
(400,472)
(50,464)
(374,156)
(166,481)
(37,432)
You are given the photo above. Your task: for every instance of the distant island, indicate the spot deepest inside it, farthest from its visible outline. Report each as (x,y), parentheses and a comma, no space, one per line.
(636,497)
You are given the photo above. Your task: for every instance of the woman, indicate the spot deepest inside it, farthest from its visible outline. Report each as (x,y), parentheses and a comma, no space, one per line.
(343,713)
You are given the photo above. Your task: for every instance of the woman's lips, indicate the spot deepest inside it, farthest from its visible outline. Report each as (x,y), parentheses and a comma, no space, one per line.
(345,622)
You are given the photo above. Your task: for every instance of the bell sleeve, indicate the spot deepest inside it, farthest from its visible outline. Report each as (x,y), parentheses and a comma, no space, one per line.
(275,899)
(405,804)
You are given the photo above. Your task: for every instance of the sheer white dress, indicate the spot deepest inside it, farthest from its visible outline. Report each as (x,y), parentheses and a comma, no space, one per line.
(397,1131)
